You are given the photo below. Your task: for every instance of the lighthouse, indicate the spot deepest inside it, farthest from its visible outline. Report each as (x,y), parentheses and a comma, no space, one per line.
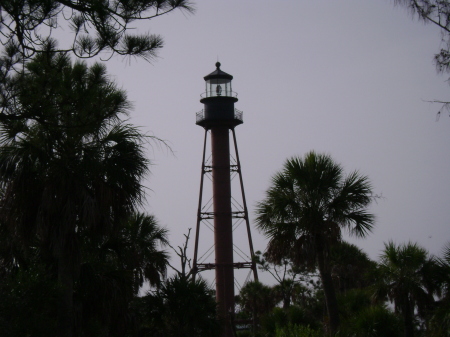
(219,118)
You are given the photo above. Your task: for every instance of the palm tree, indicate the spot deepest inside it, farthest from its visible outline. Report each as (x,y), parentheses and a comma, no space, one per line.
(137,247)
(440,319)
(180,307)
(111,274)
(72,171)
(405,279)
(305,210)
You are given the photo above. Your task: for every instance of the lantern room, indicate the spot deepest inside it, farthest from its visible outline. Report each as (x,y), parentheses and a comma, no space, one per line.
(218,83)
(218,100)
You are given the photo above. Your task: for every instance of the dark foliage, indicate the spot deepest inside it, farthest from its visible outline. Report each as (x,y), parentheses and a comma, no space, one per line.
(404,277)
(28,304)
(305,211)
(27,26)
(436,12)
(70,176)
(351,268)
(179,308)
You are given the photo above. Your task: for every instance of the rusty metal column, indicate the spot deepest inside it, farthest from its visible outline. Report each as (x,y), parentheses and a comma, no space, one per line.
(199,211)
(223,226)
(247,221)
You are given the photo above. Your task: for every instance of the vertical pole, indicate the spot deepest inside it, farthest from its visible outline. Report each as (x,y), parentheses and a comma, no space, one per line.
(223,227)
(199,210)
(247,222)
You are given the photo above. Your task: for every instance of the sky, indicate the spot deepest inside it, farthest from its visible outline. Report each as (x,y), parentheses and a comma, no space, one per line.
(352,79)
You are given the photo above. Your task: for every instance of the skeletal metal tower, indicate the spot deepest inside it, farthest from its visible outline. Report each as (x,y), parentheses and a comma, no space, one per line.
(219,118)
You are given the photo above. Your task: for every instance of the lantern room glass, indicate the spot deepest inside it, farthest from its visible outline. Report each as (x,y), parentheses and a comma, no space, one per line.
(218,87)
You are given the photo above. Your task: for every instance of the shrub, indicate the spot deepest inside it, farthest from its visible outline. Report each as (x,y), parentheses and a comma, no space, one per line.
(297,331)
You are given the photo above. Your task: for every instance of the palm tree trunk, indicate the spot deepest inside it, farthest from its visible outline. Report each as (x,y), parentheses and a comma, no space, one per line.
(65,314)
(328,288)
(286,300)
(408,313)
(255,318)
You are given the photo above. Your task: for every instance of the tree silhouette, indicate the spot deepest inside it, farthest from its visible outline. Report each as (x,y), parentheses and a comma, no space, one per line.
(72,170)
(287,276)
(96,26)
(436,12)
(404,279)
(351,268)
(180,307)
(305,210)
(440,318)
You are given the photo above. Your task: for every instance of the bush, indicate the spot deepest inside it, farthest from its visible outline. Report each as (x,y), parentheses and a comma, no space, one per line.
(28,304)
(375,321)
(297,331)
(294,316)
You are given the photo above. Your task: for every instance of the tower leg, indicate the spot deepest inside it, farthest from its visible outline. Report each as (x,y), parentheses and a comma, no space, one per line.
(244,202)
(199,211)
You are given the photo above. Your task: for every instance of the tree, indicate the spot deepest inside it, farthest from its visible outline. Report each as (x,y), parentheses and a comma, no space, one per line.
(436,12)
(112,273)
(255,300)
(297,331)
(439,319)
(103,293)
(102,28)
(305,210)
(185,270)
(351,268)
(137,248)
(405,279)
(71,171)
(286,274)
(180,308)
(27,26)
(29,302)
(372,321)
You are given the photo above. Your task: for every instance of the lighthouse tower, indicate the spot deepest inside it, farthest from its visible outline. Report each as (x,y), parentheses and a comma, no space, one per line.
(219,119)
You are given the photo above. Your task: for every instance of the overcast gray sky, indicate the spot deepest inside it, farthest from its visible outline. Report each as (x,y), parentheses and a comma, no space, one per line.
(349,78)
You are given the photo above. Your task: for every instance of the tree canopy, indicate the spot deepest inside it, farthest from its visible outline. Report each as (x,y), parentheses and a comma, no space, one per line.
(70,176)
(436,12)
(305,211)
(27,26)
(180,307)
(406,277)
